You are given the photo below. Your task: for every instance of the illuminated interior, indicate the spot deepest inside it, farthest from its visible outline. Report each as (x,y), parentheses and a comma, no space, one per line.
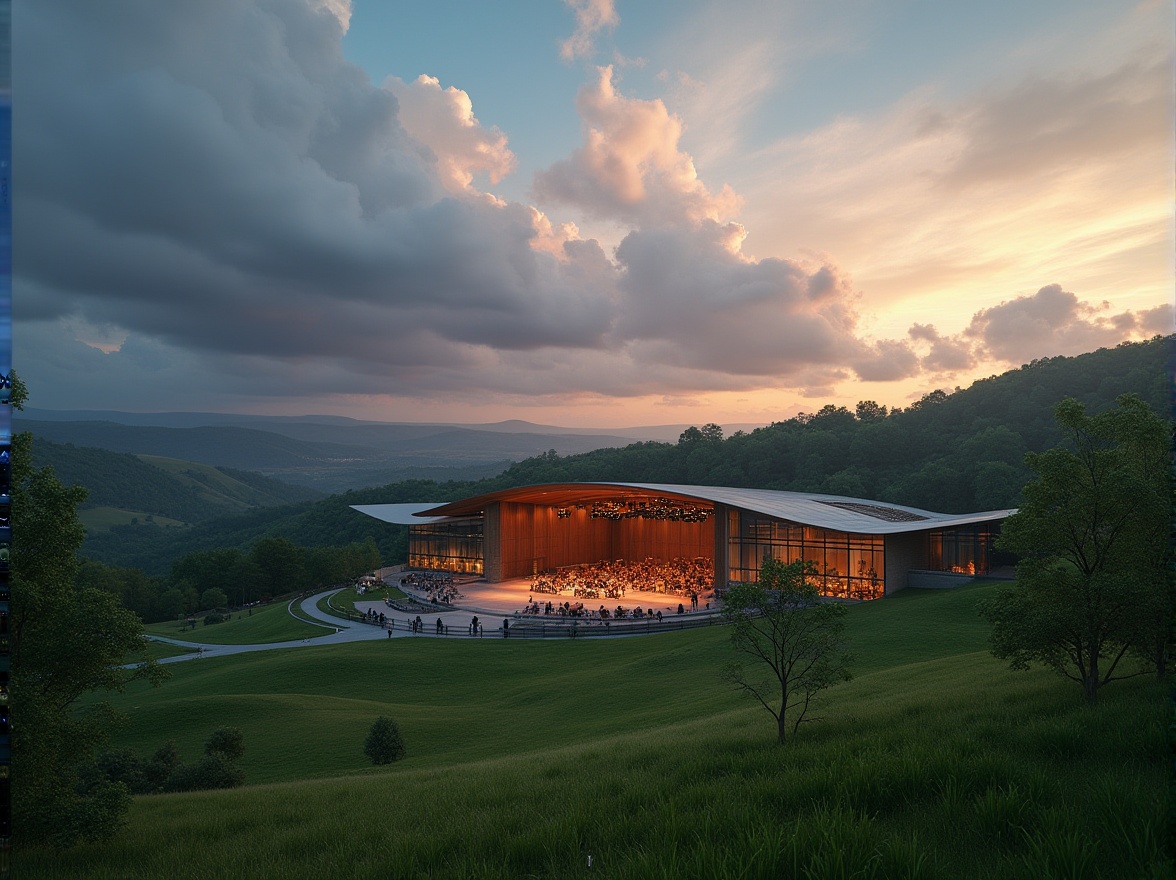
(854,545)
(455,545)
(849,566)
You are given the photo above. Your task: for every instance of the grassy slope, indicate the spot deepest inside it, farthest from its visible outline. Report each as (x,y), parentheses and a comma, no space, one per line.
(212,485)
(269,623)
(524,757)
(100,519)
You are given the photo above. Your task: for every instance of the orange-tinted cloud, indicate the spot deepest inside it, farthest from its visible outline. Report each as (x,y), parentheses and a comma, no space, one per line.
(630,167)
(444,121)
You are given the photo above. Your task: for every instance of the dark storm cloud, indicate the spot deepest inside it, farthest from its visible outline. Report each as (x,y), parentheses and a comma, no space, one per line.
(214,205)
(220,178)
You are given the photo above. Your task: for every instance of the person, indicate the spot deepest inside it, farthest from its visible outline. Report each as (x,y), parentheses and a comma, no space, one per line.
(474,626)
(439,626)
(681,610)
(659,615)
(389,632)
(506,629)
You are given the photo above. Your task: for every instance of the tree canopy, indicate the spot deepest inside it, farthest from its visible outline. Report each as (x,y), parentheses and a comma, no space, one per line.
(1092,581)
(66,642)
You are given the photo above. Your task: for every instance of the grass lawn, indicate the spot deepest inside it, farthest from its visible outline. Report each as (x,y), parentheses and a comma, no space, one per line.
(266,623)
(524,758)
(160,650)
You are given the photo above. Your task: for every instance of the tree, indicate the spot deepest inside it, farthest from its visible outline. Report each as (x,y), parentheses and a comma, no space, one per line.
(794,637)
(66,642)
(227,741)
(1092,582)
(279,561)
(870,411)
(712,433)
(384,744)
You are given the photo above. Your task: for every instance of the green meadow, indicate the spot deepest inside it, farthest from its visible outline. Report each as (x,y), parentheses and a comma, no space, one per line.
(525,758)
(266,623)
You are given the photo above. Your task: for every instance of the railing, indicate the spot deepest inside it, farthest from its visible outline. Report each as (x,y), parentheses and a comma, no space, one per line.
(601,628)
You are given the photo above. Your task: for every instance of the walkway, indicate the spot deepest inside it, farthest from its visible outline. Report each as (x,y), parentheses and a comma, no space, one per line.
(344,632)
(491,603)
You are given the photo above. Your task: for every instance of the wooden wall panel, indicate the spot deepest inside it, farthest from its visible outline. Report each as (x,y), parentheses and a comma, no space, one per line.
(532,538)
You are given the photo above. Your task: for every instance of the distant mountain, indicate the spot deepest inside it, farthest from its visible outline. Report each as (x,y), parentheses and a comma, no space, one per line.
(310,427)
(324,452)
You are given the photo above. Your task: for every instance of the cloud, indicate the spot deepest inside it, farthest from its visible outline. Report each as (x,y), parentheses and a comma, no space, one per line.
(592,16)
(444,121)
(691,298)
(945,354)
(340,10)
(977,192)
(1054,322)
(1047,126)
(217,208)
(630,167)
(253,193)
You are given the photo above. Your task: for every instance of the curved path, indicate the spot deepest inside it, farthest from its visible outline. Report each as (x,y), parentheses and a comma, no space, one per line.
(344,632)
(456,621)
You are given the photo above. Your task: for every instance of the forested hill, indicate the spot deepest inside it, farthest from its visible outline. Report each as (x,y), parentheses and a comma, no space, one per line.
(185,491)
(949,452)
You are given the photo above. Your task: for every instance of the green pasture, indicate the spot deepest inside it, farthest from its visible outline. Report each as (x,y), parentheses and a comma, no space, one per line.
(267,623)
(524,758)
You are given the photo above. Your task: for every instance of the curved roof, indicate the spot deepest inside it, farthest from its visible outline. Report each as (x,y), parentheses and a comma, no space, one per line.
(835,512)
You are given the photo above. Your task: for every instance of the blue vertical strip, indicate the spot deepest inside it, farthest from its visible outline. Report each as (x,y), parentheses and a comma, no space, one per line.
(5,425)
(5,188)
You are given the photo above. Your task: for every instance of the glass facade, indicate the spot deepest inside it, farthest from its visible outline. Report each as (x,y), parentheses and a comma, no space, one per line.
(850,566)
(966,550)
(454,545)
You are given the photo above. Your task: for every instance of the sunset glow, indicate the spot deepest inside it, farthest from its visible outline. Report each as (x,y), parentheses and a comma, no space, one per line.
(592,214)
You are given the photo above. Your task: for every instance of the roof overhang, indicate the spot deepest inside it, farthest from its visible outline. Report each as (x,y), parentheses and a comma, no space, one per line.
(833,512)
(399,514)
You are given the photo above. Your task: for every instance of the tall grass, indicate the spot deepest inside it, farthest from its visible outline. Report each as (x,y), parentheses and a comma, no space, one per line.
(525,759)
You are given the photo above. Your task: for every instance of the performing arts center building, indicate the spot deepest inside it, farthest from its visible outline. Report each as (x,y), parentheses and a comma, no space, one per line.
(861,549)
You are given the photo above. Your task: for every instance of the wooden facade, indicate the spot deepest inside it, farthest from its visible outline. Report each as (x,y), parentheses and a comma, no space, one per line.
(522,539)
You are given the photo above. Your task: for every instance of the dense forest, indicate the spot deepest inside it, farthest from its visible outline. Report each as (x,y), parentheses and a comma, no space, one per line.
(950,452)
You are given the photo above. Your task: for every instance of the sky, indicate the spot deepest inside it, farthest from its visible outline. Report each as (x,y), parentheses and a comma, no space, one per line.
(592,213)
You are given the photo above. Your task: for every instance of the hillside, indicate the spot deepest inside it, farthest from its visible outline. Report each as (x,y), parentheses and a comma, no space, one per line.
(935,761)
(185,492)
(326,456)
(957,452)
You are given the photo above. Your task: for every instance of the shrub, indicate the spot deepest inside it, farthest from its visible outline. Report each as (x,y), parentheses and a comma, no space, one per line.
(212,771)
(227,741)
(210,619)
(384,743)
(161,765)
(125,766)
